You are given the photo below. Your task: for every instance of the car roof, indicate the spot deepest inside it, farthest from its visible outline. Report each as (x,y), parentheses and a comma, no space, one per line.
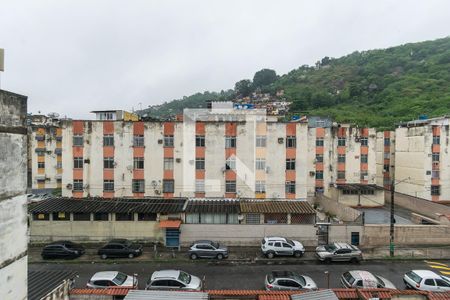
(342,246)
(275,238)
(426,274)
(105,275)
(61,242)
(364,275)
(284,274)
(165,274)
(118,241)
(203,242)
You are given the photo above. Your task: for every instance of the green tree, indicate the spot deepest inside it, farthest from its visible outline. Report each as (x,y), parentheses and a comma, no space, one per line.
(243,87)
(264,77)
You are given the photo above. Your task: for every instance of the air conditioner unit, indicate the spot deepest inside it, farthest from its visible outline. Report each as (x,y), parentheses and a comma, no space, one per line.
(240,217)
(157,192)
(267,169)
(69,186)
(87,161)
(312,173)
(178,160)
(280,140)
(160,141)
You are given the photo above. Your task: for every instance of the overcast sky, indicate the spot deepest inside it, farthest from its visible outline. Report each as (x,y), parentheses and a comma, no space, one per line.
(72,57)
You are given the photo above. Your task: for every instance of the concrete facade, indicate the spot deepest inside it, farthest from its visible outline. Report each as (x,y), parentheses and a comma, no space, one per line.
(13,183)
(385,158)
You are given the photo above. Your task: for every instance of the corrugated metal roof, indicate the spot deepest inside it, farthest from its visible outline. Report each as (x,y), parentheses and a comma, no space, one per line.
(213,206)
(115,205)
(319,295)
(40,283)
(281,206)
(165,295)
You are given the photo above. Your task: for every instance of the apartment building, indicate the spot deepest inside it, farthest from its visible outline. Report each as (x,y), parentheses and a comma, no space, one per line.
(422,163)
(385,158)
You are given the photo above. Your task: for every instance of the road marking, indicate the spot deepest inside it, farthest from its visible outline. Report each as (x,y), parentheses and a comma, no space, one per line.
(445,273)
(436,263)
(440,267)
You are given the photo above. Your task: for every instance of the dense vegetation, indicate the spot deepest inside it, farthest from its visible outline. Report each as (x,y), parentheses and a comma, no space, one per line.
(377,88)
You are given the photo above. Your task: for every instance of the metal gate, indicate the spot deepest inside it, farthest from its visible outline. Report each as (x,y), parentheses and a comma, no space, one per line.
(322,234)
(172,237)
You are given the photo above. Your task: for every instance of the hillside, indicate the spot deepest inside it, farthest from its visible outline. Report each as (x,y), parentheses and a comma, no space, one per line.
(377,88)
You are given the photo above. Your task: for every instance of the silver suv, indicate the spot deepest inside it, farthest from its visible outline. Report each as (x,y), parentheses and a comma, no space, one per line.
(338,252)
(272,246)
(287,280)
(173,279)
(207,249)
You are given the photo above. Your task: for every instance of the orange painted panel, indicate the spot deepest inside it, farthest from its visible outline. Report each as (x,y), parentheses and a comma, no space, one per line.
(41,185)
(364,181)
(168,152)
(340,180)
(108,151)
(138,174)
(319,150)
(108,127)
(138,128)
(365,132)
(230,175)
(58,145)
(169,128)
(138,195)
(434,198)
(199,195)
(290,175)
(41,171)
(387,161)
(77,173)
(341,149)
(387,149)
(260,174)
(261,128)
(434,181)
(291,129)
(40,131)
(77,194)
(230,152)
(291,152)
(168,195)
(260,152)
(41,158)
(108,194)
(59,131)
(78,127)
(364,166)
(436,148)
(230,129)
(260,195)
(108,174)
(319,166)
(341,132)
(168,174)
(387,134)
(290,196)
(436,130)
(77,151)
(364,150)
(230,195)
(341,166)
(320,132)
(200,152)
(319,182)
(200,128)
(41,144)
(199,174)
(138,151)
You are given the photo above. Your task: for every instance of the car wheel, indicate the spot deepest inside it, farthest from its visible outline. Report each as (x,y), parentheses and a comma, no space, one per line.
(354,260)
(104,256)
(327,260)
(270,255)
(220,256)
(298,254)
(194,256)
(131,255)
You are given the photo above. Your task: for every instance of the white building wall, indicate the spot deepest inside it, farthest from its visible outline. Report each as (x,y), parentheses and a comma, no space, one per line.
(379,154)
(275,159)
(215,159)
(310,162)
(67,158)
(302,171)
(153,158)
(245,160)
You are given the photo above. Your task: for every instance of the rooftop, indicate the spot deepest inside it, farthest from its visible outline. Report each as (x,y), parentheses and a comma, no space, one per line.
(277,206)
(41,283)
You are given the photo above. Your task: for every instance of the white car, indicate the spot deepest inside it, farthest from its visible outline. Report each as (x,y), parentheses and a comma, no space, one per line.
(425,280)
(107,279)
(173,279)
(364,279)
(272,246)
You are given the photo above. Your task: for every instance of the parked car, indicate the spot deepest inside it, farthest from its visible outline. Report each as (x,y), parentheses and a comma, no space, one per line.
(173,279)
(287,280)
(338,252)
(107,279)
(365,279)
(120,248)
(425,280)
(207,249)
(62,249)
(276,246)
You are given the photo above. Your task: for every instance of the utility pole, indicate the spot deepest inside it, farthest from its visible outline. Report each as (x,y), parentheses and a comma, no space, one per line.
(391,233)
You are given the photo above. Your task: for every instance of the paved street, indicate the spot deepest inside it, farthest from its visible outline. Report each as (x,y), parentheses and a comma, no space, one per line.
(245,276)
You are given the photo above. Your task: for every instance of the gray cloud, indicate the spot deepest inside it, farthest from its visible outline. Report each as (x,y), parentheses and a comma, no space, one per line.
(72,57)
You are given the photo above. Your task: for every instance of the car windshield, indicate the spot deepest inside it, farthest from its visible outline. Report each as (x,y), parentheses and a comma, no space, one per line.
(330,248)
(446,279)
(215,245)
(416,278)
(380,281)
(290,242)
(349,278)
(270,278)
(184,277)
(301,280)
(120,278)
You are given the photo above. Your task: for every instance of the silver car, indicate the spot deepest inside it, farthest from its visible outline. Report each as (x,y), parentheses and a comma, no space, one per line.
(173,279)
(365,279)
(108,279)
(207,249)
(338,252)
(287,280)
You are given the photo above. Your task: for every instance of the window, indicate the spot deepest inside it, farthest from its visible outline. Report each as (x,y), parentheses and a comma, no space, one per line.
(230,142)
(108,185)
(199,141)
(261,141)
(78,184)
(146,217)
(81,216)
(319,142)
(291,142)
(436,139)
(101,216)
(168,186)
(59,164)
(260,164)
(429,282)
(168,163)
(290,187)
(341,175)
(138,163)
(138,186)
(199,163)
(319,158)
(364,175)
(108,162)
(443,283)
(252,219)
(319,174)
(387,141)
(124,216)
(138,140)
(193,218)
(364,158)
(41,216)
(341,141)
(387,155)
(435,156)
(341,158)
(78,163)
(61,216)
(364,141)
(168,141)
(108,140)
(435,174)
(386,168)
(435,190)
(230,186)
(260,187)
(230,163)
(40,153)
(41,165)
(200,186)
(290,164)
(78,140)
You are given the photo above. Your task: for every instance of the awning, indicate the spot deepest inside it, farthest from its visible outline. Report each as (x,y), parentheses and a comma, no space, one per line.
(170,224)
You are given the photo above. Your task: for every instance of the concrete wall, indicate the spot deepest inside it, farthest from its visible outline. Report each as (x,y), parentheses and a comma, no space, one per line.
(13,184)
(341,211)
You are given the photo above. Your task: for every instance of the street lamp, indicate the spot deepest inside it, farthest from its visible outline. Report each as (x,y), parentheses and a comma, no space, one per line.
(327,275)
(391,232)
